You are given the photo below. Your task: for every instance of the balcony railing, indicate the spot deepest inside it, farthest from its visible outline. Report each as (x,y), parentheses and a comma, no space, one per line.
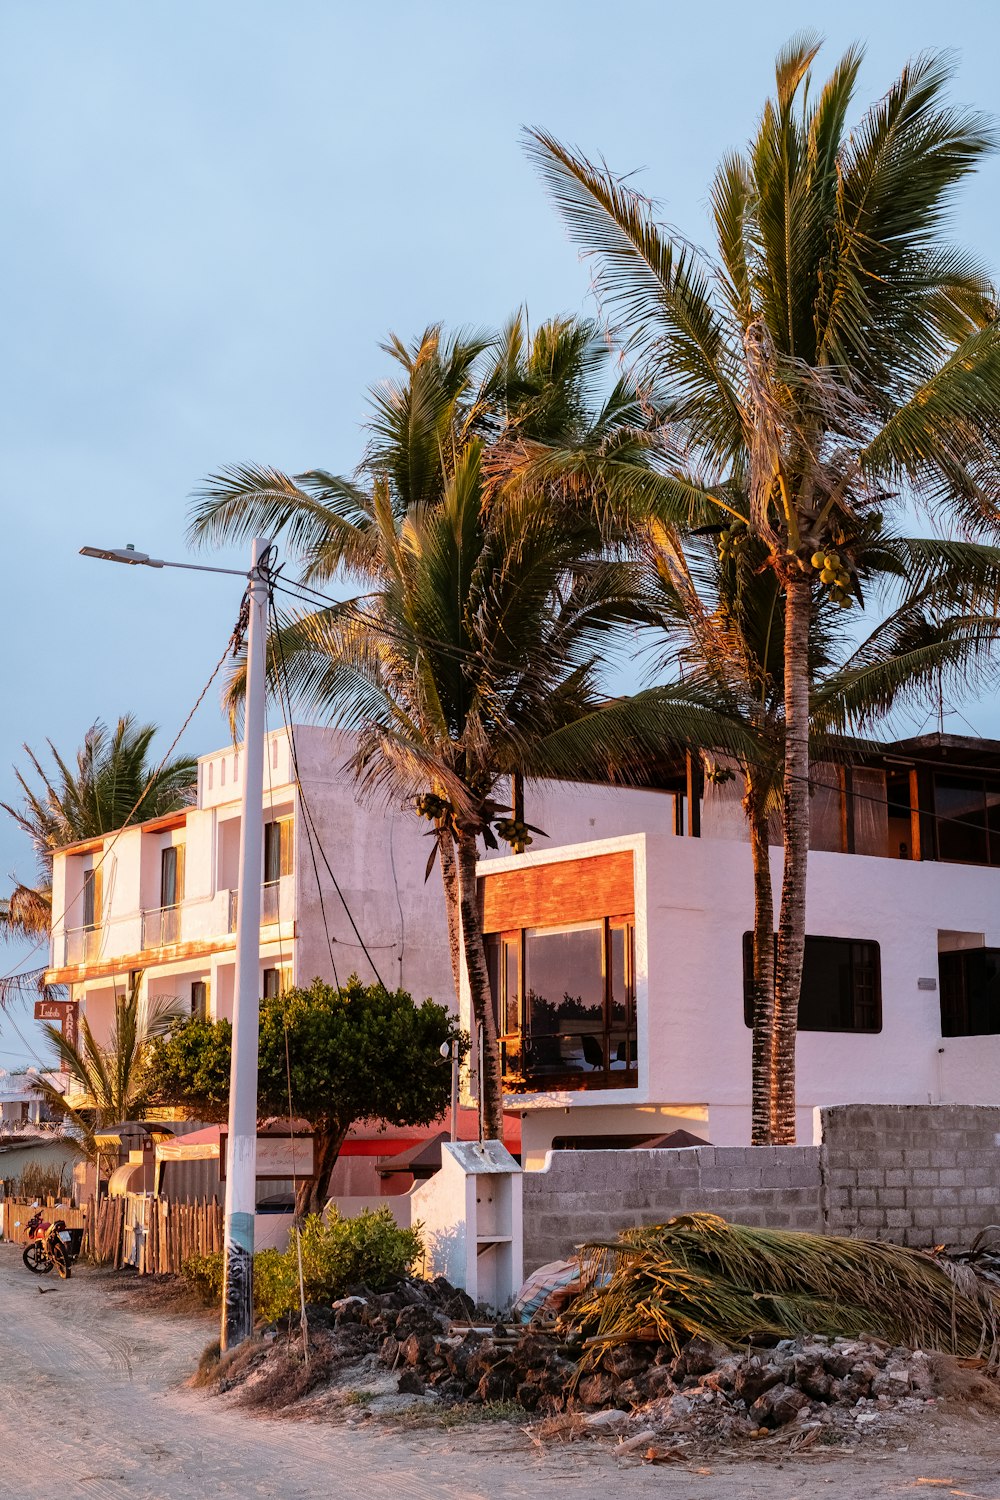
(569,1060)
(83,944)
(161,926)
(272,907)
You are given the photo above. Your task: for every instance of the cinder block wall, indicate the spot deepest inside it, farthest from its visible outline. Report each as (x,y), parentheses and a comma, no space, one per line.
(918,1174)
(585,1195)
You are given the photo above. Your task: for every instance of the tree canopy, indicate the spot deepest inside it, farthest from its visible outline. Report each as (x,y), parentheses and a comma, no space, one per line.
(359,1052)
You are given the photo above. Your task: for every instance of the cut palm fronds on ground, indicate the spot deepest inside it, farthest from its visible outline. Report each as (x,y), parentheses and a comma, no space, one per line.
(698,1275)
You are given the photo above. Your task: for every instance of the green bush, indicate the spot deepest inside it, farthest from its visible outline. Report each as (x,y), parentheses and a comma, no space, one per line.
(369,1249)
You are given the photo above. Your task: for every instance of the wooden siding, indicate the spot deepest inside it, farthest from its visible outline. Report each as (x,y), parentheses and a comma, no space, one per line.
(569,890)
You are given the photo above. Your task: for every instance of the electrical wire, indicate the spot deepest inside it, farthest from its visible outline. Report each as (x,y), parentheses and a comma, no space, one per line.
(307,811)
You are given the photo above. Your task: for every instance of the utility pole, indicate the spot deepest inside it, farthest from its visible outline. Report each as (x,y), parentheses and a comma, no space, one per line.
(241,1158)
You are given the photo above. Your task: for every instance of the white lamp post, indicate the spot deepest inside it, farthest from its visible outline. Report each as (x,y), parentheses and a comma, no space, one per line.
(241,1165)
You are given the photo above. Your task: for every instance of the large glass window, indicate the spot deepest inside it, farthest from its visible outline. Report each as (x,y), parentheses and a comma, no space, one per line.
(970,992)
(565,1006)
(968,819)
(841,985)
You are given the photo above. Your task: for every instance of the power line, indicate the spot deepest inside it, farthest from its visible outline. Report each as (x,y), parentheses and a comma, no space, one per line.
(232,645)
(307,811)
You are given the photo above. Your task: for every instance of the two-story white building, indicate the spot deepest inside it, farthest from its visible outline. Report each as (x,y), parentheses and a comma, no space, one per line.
(618,942)
(620,965)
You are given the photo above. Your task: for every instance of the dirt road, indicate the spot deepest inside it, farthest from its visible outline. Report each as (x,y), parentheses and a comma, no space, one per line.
(93,1407)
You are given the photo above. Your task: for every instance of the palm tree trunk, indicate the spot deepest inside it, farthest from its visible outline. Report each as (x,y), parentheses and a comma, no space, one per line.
(452,901)
(762,983)
(479,986)
(792,918)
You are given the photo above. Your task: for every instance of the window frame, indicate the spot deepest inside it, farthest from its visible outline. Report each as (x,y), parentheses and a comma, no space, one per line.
(850,942)
(511,945)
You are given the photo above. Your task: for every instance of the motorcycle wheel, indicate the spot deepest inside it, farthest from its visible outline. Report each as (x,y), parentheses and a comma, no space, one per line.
(61,1260)
(36,1260)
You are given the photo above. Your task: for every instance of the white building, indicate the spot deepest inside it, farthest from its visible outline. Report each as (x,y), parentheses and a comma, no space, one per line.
(619,962)
(617,941)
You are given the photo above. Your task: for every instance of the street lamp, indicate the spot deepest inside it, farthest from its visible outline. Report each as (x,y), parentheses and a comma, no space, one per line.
(241,1165)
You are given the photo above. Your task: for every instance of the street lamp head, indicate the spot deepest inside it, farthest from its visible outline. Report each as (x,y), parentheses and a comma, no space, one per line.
(122,555)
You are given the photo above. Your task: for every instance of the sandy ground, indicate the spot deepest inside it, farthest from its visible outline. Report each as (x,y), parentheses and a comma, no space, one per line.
(93,1406)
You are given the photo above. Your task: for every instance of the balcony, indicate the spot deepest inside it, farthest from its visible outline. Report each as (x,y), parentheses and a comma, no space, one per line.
(161,926)
(276,903)
(83,945)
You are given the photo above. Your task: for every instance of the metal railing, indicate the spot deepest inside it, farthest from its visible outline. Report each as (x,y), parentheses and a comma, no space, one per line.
(160,926)
(270,904)
(83,945)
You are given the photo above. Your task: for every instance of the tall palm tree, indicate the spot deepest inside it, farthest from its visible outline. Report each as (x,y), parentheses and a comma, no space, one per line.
(108,1084)
(833,356)
(474,651)
(111,779)
(719,613)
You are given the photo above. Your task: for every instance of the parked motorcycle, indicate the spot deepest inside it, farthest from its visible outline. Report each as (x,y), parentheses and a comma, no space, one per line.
(50,1245)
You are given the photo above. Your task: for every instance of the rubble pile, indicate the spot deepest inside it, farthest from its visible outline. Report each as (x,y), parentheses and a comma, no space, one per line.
(427,1336)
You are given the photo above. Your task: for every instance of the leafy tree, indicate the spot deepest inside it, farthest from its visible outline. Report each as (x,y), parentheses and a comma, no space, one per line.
(475,651)
(354,1053)
(832,357)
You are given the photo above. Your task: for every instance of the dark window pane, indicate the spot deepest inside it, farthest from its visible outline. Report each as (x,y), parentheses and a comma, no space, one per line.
(960,804)
(970,992)
(564,997)
(841,985)
(168,876)
(511,984)
(621,1017)
(272,852)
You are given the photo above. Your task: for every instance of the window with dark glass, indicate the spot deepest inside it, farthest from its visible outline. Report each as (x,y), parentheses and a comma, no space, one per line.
(172,875)
(277,849)
(968,818)
(970,992)
(564,1002)
(841,985)
(92,898)
(199,999)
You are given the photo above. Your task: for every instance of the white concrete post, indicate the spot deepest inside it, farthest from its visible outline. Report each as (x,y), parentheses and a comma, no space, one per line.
(241,1158)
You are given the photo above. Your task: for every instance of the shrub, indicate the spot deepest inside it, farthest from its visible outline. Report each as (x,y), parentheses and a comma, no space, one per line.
(370,1249)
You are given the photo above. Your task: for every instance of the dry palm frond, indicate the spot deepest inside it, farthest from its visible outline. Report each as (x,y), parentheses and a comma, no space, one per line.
(698,1275)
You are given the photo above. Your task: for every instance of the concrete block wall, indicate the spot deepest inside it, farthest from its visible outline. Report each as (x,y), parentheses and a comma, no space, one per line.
(581,1195)
(917,1174)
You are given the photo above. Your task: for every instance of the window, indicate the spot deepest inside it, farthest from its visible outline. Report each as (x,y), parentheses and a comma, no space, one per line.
(199,999)
(841,985)
(277,981)
(564,1000)
(970,992)
(968,819)
(277,849)
(93,894)
(172,875)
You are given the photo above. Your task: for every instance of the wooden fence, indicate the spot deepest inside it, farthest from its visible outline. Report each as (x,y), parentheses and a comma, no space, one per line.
(153,1234)
(17,1212)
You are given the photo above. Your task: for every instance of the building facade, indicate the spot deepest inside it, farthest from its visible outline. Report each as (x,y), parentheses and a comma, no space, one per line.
(620,965)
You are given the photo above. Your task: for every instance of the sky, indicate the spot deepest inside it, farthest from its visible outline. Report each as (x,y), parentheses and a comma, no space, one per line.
(215,213)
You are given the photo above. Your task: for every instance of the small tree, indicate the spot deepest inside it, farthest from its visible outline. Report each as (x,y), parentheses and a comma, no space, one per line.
(355,1053)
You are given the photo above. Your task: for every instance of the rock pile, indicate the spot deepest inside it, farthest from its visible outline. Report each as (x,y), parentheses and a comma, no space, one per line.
(420,1331)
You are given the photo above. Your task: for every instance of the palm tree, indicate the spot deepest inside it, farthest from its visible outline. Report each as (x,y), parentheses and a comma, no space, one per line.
(109,1084)
(110,781)
(719,613)
(474,651)
(832,358)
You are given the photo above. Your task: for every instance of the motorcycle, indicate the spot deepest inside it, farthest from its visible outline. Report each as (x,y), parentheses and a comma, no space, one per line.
(50,1245)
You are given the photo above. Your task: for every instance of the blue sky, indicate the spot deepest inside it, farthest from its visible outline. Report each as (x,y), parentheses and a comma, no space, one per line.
(213,214)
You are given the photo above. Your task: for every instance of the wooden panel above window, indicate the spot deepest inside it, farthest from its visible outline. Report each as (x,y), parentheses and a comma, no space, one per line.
(569,890)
